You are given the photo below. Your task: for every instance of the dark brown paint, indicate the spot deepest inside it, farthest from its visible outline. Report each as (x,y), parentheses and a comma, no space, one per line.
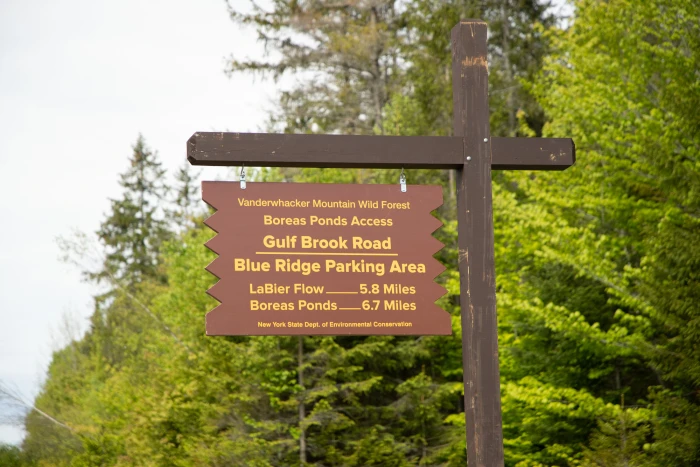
(382,152)
(241,230)
(482,398)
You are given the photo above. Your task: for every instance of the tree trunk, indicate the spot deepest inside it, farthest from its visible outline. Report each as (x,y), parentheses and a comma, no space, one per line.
(509,73)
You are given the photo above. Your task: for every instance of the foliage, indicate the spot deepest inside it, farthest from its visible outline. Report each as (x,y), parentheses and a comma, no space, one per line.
(597,267)
(348,51)
(517,44)
(136,227)
(625,85)
(9,455)
(185,200)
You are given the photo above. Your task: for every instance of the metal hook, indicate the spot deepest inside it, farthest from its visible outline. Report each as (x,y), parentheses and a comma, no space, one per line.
(402,181)
(242,177)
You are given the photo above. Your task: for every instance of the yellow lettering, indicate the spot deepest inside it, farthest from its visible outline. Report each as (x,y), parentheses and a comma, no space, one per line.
(407,267)
(246,265)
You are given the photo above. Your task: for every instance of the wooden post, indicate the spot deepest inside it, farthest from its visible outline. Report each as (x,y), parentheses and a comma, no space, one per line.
(482,399)
(473,154)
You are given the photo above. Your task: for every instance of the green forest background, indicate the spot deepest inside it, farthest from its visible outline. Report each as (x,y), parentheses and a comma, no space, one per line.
(598,267)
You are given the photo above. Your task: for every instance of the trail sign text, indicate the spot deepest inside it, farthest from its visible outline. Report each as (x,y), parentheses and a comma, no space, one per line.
(316,259)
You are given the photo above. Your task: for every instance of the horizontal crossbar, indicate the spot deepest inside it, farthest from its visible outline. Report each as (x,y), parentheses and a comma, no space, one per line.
(381,152)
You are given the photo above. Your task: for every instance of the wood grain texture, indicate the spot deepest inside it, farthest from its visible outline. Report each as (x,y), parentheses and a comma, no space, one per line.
(386,152)
(532,153)
(333,151)
(482,398)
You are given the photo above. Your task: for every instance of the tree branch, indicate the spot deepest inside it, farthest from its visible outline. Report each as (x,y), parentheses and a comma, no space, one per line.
(15,396)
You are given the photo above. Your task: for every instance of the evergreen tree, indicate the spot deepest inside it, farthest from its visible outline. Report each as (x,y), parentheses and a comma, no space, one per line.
(347,52)
(517,45)
(135,230)
(9,456)
(186,198)
(353,58)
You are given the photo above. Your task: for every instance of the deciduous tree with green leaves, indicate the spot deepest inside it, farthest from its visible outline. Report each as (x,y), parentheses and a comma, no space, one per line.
(625,85)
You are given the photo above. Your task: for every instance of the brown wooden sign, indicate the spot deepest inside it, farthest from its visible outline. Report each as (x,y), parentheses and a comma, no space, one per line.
(473,153)
(321,259)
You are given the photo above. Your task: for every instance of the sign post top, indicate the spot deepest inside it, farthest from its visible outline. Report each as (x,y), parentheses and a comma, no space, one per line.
(381,152)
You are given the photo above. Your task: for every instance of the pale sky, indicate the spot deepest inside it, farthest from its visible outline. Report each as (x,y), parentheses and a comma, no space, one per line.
(79,79)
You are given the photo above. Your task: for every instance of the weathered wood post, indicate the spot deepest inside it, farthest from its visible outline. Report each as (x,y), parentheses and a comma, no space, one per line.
(482,398)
